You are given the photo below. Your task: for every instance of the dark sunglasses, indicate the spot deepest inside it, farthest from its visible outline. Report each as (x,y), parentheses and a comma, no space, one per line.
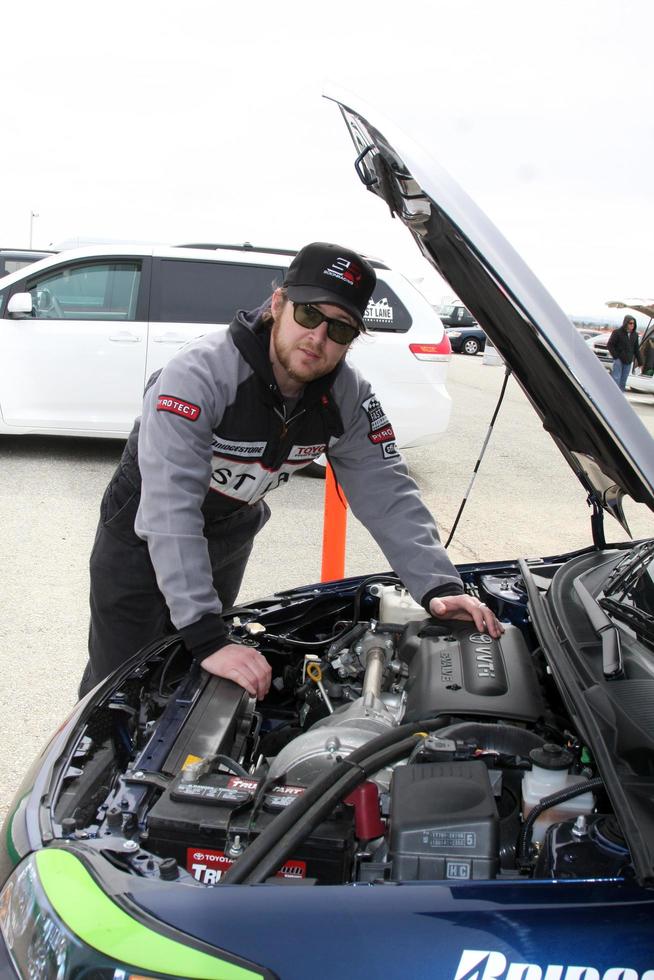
(310,317)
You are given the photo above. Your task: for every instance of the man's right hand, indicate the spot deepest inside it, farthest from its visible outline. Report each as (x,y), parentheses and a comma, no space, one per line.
(243,665)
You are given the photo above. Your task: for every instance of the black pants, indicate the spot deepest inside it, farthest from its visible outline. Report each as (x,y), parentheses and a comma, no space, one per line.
(127,609)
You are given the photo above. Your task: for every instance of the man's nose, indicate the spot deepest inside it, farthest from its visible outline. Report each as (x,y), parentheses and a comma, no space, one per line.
(319,333)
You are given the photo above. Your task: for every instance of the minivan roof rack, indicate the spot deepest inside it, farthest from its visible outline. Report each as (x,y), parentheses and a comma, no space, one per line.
(249,247)
(243,247)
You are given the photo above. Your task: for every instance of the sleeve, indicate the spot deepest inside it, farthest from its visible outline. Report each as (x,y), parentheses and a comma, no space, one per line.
(180,411)
(384,497)
(611,344)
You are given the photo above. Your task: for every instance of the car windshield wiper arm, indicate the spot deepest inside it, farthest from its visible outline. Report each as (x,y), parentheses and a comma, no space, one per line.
(605,629)
(629,568)
(641,622)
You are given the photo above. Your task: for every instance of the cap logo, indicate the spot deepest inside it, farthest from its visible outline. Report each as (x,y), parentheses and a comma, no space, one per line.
(345,270)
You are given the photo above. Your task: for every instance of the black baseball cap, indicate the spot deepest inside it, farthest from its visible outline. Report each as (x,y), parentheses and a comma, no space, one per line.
(325,273)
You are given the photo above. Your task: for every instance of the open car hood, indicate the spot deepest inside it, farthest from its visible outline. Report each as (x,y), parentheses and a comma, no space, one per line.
(606,445)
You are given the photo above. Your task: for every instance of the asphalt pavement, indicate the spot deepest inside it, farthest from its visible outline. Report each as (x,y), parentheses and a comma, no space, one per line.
(524,502)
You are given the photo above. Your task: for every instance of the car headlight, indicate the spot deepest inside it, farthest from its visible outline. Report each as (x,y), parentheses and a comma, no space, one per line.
(58,923)
(453,333)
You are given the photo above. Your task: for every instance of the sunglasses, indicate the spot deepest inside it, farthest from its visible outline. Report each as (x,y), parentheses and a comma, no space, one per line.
(310,317)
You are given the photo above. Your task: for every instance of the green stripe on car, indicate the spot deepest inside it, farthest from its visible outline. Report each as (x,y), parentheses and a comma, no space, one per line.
(103,925)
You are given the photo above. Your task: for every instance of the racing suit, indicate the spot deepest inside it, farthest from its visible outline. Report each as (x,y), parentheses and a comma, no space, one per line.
(180,514)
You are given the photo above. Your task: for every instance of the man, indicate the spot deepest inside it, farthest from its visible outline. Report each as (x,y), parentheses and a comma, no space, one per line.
(228,419)
(623,348)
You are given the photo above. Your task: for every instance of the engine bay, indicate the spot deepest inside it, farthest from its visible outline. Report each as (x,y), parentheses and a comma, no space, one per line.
(391,748)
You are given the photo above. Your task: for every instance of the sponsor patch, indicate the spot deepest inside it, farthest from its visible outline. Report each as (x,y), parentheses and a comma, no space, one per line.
(381,431)
(303,454)
(208,866)
(186,410)
(237,449)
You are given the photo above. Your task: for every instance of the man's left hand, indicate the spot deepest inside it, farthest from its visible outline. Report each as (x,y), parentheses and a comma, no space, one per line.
(466,607)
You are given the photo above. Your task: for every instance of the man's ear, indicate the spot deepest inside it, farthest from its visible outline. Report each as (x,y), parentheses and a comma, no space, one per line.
(277,303)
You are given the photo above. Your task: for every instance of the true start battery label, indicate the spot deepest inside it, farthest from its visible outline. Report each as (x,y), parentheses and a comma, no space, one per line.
(277,798)
(208,866)
(233,792)
(250,785)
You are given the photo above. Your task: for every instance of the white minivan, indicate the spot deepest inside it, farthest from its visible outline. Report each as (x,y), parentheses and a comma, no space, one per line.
(82,331)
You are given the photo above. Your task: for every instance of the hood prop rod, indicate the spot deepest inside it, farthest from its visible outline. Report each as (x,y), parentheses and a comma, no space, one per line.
(482,452)
(597,522)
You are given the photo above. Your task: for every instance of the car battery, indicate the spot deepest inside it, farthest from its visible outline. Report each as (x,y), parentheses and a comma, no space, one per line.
(206,822)
(444,822)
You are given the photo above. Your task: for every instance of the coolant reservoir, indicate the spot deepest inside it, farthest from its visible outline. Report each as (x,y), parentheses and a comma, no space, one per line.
(397,606)
(549,774)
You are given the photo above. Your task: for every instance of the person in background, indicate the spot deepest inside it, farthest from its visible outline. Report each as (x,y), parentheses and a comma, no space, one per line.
(623,348)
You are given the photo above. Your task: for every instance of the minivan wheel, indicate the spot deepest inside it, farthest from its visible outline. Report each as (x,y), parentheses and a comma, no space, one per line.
(471,346)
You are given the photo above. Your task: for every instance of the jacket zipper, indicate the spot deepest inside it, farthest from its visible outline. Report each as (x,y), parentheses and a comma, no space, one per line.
(286,421)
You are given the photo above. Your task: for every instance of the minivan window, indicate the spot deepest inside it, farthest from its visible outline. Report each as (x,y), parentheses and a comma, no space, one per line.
(385,311)
(94,291)
(13,265)
(210,292)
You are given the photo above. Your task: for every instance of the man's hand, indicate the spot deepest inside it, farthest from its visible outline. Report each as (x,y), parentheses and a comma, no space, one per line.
(244,665)
(466,607)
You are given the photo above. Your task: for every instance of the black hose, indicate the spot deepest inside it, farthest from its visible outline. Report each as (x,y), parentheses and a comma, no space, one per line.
(348,638)
(569,793)
(231,764)
(296,816)
(506,739)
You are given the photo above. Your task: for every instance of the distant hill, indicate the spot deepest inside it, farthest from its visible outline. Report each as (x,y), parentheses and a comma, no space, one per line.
(607,322)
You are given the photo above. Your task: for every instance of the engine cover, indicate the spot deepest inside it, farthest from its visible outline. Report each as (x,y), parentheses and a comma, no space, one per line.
(453,669)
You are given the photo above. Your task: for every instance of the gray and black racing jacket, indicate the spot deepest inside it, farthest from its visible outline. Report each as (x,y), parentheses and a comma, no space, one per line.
(214,436)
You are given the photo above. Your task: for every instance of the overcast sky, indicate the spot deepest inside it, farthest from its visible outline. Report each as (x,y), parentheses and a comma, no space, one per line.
(203,121)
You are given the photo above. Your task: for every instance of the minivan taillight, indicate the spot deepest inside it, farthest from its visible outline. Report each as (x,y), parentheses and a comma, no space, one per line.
(441,351)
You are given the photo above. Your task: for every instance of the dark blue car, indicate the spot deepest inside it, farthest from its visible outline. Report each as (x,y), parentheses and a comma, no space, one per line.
(466,340)
(412,799)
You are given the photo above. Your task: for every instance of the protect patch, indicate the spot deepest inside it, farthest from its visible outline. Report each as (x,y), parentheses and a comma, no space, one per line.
(186,410)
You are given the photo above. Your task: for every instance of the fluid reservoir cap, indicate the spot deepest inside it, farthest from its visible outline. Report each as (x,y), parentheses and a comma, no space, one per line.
(551,756)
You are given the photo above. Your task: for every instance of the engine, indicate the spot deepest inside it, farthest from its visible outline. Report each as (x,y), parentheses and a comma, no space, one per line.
(450,739)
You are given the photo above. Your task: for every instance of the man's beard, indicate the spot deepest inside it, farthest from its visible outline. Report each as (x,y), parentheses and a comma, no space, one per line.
(283,354)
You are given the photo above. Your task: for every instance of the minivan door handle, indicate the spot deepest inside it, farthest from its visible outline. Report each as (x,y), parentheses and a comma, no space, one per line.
(125,337)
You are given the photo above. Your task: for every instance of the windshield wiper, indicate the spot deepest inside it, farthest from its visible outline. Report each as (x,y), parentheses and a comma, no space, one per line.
(629,569)
(605,629)
(641,622)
